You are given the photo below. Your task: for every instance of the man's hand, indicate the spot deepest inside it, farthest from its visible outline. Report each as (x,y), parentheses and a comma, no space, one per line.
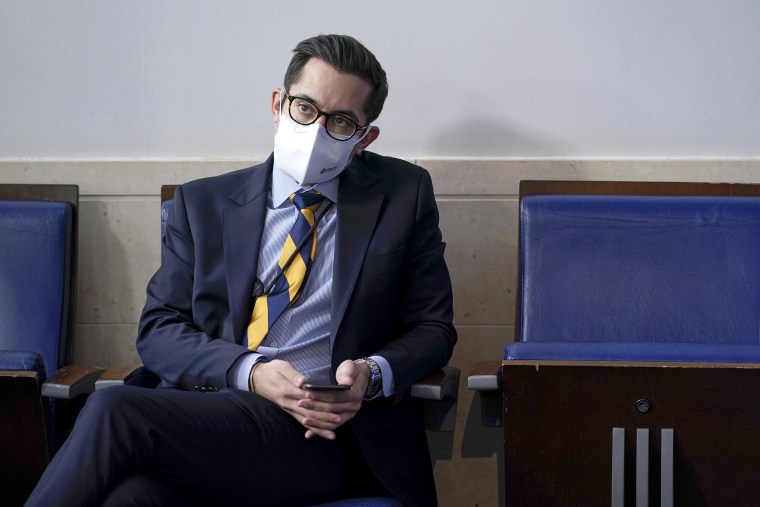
(321,412)
(344,404)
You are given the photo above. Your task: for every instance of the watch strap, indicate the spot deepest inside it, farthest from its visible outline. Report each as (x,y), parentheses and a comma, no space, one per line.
(374,387)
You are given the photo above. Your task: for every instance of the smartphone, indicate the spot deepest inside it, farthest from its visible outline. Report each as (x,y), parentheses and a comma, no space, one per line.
(326,387)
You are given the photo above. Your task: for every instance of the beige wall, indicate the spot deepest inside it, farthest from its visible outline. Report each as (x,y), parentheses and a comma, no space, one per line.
(119,251)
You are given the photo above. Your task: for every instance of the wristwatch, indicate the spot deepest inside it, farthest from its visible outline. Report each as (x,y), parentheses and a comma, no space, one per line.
(375,380)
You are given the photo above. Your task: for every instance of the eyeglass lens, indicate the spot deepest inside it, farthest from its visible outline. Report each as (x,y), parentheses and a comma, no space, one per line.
(338,126)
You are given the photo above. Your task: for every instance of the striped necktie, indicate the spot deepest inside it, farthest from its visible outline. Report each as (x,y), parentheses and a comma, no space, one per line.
(270,305)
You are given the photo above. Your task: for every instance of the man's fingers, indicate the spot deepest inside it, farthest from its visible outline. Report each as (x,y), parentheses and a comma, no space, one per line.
(329,435)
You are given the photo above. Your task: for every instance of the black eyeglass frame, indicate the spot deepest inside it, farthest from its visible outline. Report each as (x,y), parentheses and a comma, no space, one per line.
(322,113)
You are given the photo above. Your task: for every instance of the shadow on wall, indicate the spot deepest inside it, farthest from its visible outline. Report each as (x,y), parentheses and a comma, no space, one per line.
(477,441)
(484,137)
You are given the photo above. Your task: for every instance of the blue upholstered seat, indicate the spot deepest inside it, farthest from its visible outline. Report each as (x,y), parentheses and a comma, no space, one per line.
(34,280)
(647,278)
(21,360)
(638,314)
(36,241)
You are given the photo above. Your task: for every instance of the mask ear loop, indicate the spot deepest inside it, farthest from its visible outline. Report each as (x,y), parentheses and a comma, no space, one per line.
(282,105)
(283,94)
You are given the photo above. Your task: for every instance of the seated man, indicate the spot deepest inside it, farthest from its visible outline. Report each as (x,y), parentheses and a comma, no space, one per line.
(238,327)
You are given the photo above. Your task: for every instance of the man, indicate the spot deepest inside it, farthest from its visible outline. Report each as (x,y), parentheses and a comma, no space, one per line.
(236,325)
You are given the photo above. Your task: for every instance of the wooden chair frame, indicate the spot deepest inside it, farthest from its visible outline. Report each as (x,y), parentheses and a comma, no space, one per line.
(656,449)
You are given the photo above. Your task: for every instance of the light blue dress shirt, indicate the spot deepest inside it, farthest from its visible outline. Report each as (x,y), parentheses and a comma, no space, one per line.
(301,335)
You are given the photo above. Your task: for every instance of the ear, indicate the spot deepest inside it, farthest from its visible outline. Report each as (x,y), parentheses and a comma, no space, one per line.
(368,139)
(276,100)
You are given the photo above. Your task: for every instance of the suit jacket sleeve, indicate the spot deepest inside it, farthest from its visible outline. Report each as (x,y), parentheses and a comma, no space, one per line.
(401,305)
(171,341)
(426,335)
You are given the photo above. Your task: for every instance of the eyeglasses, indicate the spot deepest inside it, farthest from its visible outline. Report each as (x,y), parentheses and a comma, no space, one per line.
(339,126)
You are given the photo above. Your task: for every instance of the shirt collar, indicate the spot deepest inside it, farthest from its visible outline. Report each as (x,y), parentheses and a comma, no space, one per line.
(283,186)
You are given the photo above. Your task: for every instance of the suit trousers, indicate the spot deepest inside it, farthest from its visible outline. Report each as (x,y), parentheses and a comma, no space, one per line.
(171,446)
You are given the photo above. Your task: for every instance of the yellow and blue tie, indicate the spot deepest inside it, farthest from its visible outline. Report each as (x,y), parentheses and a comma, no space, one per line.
(268,307)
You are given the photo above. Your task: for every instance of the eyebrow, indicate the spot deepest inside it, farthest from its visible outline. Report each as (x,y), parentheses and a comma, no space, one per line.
(348,113)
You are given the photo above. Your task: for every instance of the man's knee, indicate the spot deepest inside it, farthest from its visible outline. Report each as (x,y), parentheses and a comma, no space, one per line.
(113,410)
(111,400)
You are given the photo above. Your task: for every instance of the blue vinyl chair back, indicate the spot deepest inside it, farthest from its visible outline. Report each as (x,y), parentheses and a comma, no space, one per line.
(166,208)
(35,278)
(36,242)
(653,273)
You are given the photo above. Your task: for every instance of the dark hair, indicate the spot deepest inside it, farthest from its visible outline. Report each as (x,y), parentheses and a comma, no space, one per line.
(344,54)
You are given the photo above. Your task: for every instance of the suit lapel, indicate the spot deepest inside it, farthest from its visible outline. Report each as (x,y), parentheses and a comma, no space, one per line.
(358,210)
(243,228)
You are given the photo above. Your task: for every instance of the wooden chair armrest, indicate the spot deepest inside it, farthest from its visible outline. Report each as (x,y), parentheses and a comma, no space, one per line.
(71,381)
(127,375)
(485,376)
(440,385)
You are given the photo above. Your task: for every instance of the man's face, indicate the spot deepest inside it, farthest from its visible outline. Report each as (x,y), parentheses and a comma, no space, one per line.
(332,92)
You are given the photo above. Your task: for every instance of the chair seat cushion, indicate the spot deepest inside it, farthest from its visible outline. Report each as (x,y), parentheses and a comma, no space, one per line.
(374,501)
(18,360)
(633,351)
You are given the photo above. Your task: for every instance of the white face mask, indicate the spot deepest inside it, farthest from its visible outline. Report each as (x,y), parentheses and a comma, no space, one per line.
(307,153)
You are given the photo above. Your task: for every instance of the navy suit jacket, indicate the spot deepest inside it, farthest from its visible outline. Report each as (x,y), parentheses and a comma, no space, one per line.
(391,297)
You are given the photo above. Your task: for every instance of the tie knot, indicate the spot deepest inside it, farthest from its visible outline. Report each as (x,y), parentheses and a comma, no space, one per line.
(307,199)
